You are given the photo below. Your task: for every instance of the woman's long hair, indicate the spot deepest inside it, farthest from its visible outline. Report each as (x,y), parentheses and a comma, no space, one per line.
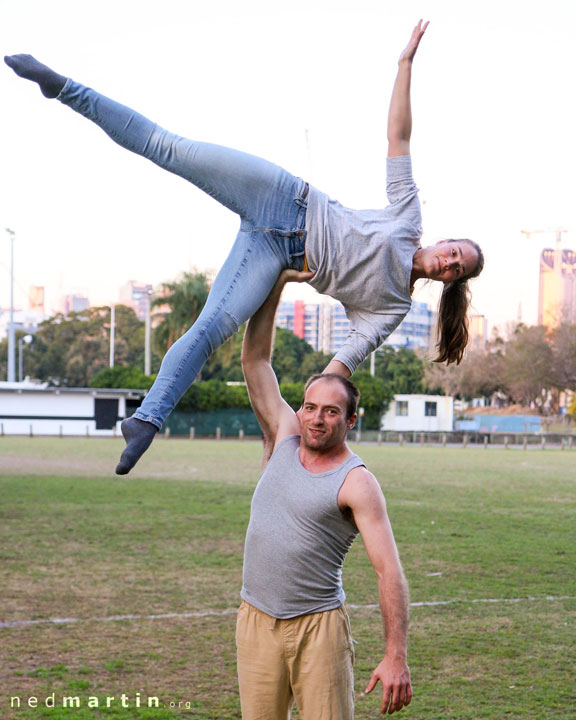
(452,328)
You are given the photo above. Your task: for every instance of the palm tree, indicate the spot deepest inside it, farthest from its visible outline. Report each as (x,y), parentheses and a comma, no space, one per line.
(179,306)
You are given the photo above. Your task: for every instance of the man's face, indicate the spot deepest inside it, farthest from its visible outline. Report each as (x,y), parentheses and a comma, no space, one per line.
(323,415)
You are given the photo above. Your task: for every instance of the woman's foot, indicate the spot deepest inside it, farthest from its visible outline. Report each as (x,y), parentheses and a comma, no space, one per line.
(138,435)
(28,67)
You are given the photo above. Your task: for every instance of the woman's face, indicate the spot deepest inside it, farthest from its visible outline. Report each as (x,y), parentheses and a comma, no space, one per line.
(449,261)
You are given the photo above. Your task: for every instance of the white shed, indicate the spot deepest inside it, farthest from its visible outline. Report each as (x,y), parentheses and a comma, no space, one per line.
(35,409)
(419,413)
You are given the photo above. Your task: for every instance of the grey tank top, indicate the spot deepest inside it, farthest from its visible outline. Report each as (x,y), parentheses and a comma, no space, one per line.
(297,537)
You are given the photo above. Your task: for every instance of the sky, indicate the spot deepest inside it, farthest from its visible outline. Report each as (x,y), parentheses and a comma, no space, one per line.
(305,84)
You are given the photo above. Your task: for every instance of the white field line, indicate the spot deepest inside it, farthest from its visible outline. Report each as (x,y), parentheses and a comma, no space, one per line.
(232,611)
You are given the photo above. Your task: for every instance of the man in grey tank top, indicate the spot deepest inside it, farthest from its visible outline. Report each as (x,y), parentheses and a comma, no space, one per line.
(313,497)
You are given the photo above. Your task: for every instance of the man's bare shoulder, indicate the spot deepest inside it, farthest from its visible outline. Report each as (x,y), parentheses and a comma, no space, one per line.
(360,488)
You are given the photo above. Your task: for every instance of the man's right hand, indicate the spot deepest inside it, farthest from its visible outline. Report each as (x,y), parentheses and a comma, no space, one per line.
(298,276)
(394,674)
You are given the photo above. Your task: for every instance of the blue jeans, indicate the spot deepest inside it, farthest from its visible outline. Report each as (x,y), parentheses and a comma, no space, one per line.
(271,204)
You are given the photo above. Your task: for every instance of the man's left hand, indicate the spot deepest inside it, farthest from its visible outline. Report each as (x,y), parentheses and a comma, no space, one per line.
(394,674)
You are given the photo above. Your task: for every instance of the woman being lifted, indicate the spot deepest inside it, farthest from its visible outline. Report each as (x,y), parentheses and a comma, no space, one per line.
(369,260)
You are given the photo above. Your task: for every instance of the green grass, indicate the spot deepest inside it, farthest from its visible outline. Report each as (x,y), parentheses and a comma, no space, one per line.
(78,542)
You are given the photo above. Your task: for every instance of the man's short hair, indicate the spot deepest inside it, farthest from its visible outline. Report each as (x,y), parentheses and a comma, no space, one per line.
(351,390)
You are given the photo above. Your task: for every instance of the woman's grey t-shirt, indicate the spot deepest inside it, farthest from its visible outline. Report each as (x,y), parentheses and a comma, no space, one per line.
(363,258)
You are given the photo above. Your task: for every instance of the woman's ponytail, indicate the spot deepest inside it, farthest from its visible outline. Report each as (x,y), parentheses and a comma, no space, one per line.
(453,314)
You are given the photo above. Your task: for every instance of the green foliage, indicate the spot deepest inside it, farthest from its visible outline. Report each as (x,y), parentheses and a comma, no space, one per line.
(375,396)
(214,395)
(179,304)
(400,368)
(70,350)
(122,376)
(224,363)
(294,360)
(293,394)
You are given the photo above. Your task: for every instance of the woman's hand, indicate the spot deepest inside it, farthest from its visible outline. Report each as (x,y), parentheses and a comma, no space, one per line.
(410,49)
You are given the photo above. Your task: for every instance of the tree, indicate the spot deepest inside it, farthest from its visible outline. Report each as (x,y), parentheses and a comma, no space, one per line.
(224,363)
(442,379)
(401,368)
(564,357)
(375,396)
(122,376)
(179,305)
(528,359)
(294,360)
(70,350)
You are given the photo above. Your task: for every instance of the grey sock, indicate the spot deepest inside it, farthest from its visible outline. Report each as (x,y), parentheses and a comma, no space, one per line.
(28,67)
(138,435)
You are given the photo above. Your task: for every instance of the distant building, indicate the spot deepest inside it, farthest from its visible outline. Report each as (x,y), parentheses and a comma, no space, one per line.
(416,330)
(36,298)
(137,296)
(325,325)
(478,330)
(557,287)
(74,304)
(285,316)
(420,413)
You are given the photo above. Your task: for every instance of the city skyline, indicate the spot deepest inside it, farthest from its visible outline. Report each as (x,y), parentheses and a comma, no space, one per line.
(87,214)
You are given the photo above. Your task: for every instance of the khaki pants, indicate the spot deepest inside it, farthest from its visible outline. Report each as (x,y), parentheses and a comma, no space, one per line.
(306,659)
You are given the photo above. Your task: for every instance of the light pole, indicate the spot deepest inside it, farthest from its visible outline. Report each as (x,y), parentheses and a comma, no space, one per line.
(147,353)
(112,333)
(26,339)
(11,337)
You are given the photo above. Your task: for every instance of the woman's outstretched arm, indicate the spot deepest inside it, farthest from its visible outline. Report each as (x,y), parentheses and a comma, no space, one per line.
(400,112)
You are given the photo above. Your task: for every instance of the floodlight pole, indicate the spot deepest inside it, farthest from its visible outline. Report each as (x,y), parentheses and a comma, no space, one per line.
(148,327)
(11,334)
(27,339)
(112,333)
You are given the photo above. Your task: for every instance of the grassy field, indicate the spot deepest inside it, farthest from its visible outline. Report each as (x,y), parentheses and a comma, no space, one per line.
(80,543)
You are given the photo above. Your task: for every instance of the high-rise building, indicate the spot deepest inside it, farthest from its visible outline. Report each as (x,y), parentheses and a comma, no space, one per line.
(137,296)
(36,298)
(557,287)
(74,304)
(416,330)
(478,329)
(325,325)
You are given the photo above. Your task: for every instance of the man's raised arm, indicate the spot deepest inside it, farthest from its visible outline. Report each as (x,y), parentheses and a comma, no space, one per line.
(276,417)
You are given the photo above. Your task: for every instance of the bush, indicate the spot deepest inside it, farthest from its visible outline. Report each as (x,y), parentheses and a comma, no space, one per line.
(122,376)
